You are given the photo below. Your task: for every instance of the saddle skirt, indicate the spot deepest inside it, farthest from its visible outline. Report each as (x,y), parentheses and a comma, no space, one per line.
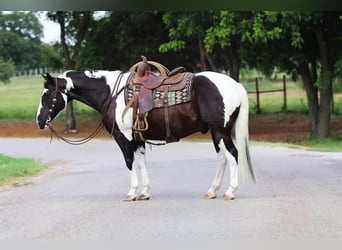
(177,88)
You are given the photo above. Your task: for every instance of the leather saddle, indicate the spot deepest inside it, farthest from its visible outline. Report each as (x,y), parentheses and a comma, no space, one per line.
(145,85)
(148,81)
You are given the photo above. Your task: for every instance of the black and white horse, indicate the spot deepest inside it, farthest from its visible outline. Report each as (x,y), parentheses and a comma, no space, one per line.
(218,103)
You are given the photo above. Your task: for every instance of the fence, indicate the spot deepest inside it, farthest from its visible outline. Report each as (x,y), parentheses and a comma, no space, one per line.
(37,71)
(258,92)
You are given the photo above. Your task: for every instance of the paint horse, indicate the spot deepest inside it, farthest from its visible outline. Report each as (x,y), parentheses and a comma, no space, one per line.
(216,103)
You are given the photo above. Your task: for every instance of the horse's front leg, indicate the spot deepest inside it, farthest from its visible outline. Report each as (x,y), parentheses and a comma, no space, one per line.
(140,163)
(129,149)
(132,193)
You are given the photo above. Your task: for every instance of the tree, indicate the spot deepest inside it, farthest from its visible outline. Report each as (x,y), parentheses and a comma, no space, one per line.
(223,38)
(186,31)
(20,34)
(7,70)
(74,26)
(51,56)
(312,44)
(118,40)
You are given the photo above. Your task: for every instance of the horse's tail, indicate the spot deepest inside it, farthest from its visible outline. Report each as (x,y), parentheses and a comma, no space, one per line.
(245,168)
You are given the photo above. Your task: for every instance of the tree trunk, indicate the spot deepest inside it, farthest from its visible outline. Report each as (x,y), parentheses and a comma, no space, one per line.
(234,59)
(323,126)
(61,21)
(70,122)
(82,21)
(210,61)
(202,52)
(311,90)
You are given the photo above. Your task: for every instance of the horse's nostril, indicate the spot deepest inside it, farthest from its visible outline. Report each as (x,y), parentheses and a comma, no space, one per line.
(41,125)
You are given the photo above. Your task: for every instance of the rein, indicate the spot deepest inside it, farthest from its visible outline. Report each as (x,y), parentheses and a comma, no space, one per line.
(115,90)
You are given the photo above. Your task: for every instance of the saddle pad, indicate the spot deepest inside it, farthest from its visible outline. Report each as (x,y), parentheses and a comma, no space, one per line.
(178,96)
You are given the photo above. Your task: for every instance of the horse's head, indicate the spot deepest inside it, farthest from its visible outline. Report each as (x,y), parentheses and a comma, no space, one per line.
(52,101)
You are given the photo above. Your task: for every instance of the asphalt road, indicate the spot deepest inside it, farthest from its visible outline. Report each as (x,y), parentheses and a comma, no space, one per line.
(298,194)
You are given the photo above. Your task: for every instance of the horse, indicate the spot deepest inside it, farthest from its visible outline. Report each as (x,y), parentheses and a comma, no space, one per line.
(217,103)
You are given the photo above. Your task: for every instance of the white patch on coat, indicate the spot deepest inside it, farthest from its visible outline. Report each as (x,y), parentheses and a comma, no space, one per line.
(65,98)
(40,103)
(229,90)
(69,83)
(97,74)
(111,77)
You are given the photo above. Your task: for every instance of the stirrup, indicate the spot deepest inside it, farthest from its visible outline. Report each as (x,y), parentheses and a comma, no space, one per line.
(140,125)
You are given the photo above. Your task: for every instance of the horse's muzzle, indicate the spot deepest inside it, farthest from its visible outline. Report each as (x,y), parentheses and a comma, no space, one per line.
(41,125)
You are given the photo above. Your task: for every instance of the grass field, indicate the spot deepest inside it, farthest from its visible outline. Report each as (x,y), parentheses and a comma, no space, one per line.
(15,171)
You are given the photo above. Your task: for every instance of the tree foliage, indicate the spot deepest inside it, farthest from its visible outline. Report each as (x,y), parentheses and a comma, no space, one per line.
(7,70)
(20,34)
(119,39)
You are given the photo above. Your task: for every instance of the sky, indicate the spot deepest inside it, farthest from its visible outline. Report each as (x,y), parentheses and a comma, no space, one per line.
(51,30)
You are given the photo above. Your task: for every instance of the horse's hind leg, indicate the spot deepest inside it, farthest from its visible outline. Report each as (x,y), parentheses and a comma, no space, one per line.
(227,152)
(231,155)
(216,184)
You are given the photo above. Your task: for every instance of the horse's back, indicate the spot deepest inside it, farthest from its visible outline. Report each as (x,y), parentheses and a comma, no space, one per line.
(219,86)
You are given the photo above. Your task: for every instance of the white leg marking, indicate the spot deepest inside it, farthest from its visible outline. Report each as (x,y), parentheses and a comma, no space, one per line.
(140,162)
(40,104)
(233,185)
(132,194)
(222,162)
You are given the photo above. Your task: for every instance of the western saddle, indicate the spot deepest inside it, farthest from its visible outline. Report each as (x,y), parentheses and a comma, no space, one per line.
(142,101)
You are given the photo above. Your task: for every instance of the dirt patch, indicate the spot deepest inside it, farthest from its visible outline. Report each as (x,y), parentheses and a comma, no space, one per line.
(273,128)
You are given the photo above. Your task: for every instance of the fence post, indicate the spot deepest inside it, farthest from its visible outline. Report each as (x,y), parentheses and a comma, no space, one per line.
(285,95)
(257,94)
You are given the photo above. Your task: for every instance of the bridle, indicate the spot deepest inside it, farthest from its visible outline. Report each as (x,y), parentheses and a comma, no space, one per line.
(115,90)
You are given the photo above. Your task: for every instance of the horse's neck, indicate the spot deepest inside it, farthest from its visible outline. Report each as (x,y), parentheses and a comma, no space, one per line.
(93,95)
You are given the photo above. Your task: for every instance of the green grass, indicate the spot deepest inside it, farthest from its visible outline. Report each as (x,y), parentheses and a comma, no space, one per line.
(16,170)
(273,102)
(19,99)
(312,144)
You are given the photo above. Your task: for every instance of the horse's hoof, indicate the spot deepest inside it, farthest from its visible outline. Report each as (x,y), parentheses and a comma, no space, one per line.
(228,197)
(209,196)
(130,198)
(144,197)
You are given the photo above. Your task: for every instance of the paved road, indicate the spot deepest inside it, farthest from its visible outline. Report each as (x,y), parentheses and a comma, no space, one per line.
(298,195)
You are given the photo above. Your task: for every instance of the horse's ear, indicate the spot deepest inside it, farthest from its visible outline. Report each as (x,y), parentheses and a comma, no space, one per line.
(47,76)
